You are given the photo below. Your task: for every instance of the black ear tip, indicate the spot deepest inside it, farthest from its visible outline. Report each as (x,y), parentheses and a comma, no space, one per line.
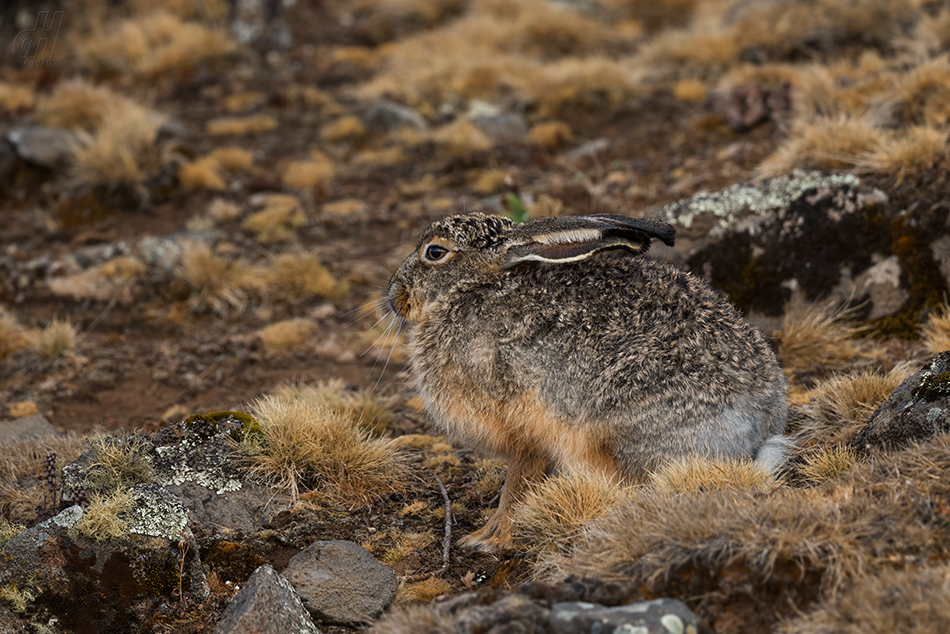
(653,227)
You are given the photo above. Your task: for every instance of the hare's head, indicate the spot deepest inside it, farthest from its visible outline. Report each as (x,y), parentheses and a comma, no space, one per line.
(472,249)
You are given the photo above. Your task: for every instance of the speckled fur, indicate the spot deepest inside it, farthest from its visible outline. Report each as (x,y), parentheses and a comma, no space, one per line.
(615,363)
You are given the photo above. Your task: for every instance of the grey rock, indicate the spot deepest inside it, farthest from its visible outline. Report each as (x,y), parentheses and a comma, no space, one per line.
(590,148)
(341,582)
(242,510)
(267,604)
(916,410)
(807,234)
(388,115)
(10,624)
(504,127)
(46,147)
(35,426)
(662,616)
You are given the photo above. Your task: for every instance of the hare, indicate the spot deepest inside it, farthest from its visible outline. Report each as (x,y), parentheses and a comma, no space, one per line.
(559,345)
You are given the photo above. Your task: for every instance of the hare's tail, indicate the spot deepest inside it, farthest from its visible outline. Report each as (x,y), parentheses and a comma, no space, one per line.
(774,452)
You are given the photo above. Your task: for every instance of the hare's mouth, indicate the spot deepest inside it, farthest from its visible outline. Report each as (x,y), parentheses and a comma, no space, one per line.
(400,301)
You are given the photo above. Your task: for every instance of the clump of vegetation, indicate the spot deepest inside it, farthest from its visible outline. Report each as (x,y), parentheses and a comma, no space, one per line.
(310,444)
(816,335)
(14,97)
(18,598)
(694,475)
(552,514)
(276,221)
(217,283)
(118,464)
(12,334)
(154,44)
(9,530)
(23,481)
(935,333)
(422,591)
(241,126)
(50,342)
(290,334)
(296,276)
(828,463)
(309,175)
(107,516)
(840,406)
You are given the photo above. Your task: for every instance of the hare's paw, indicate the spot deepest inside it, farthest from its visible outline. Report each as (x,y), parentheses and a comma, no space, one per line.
(493,537)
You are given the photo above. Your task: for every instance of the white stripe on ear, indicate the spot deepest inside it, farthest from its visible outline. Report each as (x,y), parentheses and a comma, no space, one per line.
(568,235)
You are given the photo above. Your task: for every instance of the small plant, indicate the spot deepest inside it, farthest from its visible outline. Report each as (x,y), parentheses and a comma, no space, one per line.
(826,464)
(9,530)
(935,333)
(12,334)
(18,598)
(118,464)
(217,283)
(52,341)
(296,276)
(816,335)
(278,220)
(290,334)
(106,516)
(516,209)
(241,126)
(701,474)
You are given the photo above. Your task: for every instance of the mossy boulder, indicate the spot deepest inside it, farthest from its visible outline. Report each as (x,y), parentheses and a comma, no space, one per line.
(916,410)
(820,236)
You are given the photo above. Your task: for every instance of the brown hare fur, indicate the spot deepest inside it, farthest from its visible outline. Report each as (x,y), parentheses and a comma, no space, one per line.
(559,345)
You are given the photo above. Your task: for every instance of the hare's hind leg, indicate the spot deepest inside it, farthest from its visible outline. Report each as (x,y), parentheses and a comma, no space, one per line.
(495,535)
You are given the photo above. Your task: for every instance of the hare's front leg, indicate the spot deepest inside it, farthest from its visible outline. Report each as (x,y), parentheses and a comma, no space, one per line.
(496,534)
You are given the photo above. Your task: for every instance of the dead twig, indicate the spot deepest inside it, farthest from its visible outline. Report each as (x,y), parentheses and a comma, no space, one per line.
(446,544)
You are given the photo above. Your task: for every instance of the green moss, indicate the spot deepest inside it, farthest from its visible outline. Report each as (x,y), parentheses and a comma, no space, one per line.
(205,426)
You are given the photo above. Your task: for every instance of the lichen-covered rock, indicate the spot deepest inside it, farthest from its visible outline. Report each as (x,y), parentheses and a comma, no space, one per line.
(661,616)
(267,604)
(917,409)
(51,148)
(341,582)
(818,234)
(92,585)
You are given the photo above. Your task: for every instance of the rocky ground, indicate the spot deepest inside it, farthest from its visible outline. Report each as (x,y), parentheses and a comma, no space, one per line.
(200,213)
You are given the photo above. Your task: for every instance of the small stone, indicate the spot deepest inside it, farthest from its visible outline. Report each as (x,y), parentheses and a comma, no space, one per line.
(341,582)
(267,604)
(388,115)
(46,147)
(661,616)
(35,426)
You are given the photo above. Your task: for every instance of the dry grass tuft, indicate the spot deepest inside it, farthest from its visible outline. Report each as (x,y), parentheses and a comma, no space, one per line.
(913,601)
(281,216)
(841,405)
(217,283)
(79,105)
(309,443)
(697,474)
(232,158)
(241,126)
(12,334)
(118,464)
(816,335)
(152,45)
(905,152)
(423,591)
(295,276)
(550,135)
(690,90)
(22,481)
(204,173)
(461,138)
(14,97)
(56,338)
(222,210)
(935,333)
(290,334)
(841,141)
(348,128)
(554,512)
(107,516)
(828,463)
(121,151)
(404,544)
(316,173)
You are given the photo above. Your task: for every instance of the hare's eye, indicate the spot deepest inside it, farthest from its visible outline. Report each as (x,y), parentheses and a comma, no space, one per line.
(434,252)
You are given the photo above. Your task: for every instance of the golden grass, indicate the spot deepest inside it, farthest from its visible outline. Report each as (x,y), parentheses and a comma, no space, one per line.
(841,405)
(281,216)
(310,174)
(241,126)
(50,342)
(297,276)
(121,151)
(14,97)
(23,408)
(311,444)
(905,152)
(828,463)
(222,210)
(912,601)
(343,208)
(12,334)
(118,464)
(552,513)
(828,142)
(404,544)
(152,45)
(232,158)
(347,128)
(816,336)
(422,591)
(204,173)
(550,135)
(697,474)
(461,138)
(80,105)
(218,284)
(107,516)
(289,334)
(935,333)
(22,483)
(690,90)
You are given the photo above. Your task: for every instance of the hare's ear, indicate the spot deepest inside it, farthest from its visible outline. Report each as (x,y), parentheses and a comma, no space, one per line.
(576,238)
